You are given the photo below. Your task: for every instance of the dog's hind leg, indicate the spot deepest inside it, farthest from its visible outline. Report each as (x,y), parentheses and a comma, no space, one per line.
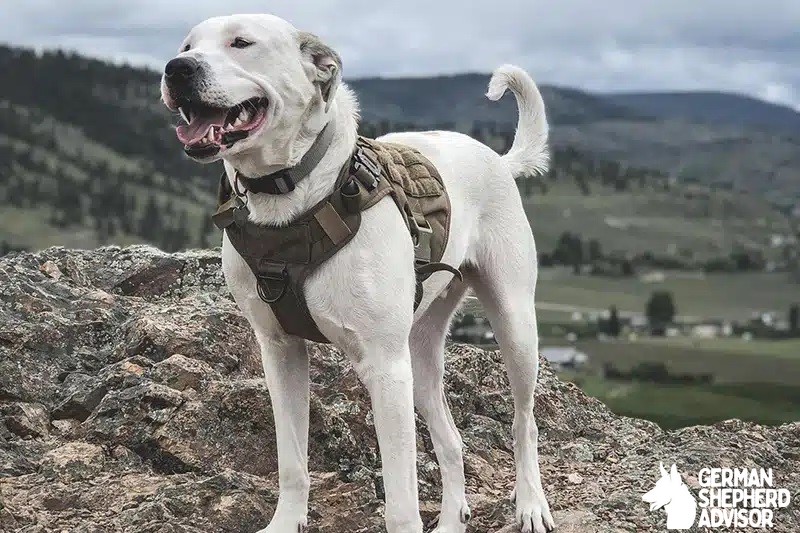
(504,278)
(427,357)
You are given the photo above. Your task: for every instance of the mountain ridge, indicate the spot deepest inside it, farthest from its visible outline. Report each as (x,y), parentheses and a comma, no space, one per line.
(706,106)
(712,107)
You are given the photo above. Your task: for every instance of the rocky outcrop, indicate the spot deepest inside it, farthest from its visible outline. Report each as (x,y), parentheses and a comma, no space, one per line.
(131,400)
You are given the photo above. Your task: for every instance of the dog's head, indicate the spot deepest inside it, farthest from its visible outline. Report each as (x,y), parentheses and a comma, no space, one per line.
(665,490)
(248,86)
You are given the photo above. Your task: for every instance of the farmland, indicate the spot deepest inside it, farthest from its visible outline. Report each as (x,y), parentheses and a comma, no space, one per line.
(724,296)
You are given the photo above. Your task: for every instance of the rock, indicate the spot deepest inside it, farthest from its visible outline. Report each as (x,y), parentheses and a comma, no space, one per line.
(72,462)
(154,278)
(51,269)
(575,479)
(83,393)
(25,419)
(181,373)
(131,399)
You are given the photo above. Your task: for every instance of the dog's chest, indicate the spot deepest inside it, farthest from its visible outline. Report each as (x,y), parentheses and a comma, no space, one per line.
(283,258)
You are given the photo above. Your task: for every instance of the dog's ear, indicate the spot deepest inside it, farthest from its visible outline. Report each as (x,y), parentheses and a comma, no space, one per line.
(325,63)
(674,476)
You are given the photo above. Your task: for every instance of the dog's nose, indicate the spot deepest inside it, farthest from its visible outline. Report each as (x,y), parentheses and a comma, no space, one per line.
(181,69)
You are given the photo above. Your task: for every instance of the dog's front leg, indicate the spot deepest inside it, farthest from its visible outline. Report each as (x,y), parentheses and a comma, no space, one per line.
(386,373)
(285,361)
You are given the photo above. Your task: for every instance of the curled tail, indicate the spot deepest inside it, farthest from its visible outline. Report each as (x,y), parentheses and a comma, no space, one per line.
(528,154)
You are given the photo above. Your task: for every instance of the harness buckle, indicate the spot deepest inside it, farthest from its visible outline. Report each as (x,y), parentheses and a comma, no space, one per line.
(422,244)
(272,282)
(424,233)
(361,161)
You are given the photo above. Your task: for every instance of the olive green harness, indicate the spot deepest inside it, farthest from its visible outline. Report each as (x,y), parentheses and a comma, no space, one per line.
(283,257)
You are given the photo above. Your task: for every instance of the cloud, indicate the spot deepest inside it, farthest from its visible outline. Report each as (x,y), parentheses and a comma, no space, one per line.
(615,45)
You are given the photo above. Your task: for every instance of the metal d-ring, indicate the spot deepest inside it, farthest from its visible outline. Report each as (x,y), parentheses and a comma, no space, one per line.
(264,293)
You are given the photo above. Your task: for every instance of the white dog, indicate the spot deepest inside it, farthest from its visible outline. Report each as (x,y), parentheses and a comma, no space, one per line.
(362,299)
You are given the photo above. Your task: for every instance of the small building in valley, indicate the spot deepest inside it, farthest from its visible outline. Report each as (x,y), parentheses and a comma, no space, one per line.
(564,357)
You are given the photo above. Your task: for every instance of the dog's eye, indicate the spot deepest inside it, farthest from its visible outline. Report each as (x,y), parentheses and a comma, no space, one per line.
(239,42)
(186,48)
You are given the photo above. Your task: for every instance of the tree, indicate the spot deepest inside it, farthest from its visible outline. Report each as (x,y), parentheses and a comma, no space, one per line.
(614,326)
(660,310)
(577,257)
(468,319)
(627,268)
(208,233)
(151,224)
(569,251)
(794,318)
(595,250)
(580,180)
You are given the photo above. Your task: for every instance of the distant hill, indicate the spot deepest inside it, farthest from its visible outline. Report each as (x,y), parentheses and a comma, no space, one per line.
(712,108)
(460,99)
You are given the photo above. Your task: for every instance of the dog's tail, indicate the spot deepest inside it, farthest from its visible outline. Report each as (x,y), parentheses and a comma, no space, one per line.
(528,154)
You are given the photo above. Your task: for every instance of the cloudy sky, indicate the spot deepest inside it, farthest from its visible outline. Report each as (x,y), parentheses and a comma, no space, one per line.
(747,46)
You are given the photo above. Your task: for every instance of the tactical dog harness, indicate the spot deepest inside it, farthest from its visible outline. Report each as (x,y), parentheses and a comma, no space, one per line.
(283,257)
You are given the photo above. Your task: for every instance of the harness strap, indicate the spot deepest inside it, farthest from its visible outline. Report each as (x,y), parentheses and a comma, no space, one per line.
(332,224)
(224,216)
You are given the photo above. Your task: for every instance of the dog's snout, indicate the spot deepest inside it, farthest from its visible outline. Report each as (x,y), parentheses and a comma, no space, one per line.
(181,69)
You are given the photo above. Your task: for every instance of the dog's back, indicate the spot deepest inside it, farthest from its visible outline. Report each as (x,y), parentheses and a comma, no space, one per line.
(480,182)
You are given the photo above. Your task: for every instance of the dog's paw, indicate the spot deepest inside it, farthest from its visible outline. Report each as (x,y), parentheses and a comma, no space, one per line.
(460,528)
(286,526)
(532,511)
(453,526)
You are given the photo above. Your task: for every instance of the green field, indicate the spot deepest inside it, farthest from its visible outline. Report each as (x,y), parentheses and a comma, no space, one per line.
(727,360)
(673,406)
(752,380)
(724,296)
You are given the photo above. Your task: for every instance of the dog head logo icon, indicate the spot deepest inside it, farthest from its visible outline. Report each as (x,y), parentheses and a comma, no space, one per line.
(673,495)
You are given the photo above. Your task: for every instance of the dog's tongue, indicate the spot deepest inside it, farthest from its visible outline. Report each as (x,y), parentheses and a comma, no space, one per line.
(202,120)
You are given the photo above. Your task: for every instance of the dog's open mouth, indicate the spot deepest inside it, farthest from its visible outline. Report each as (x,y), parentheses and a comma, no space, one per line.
(208,129)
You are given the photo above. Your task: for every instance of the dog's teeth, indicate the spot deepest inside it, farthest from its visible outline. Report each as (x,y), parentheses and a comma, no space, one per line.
(238,122)
(245,115)
(184,115)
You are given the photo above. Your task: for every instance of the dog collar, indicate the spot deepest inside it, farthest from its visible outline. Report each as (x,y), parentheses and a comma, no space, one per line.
(284,181)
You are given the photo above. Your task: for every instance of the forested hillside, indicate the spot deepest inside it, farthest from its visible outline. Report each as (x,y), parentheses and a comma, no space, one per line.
(712,107)
(87,157)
